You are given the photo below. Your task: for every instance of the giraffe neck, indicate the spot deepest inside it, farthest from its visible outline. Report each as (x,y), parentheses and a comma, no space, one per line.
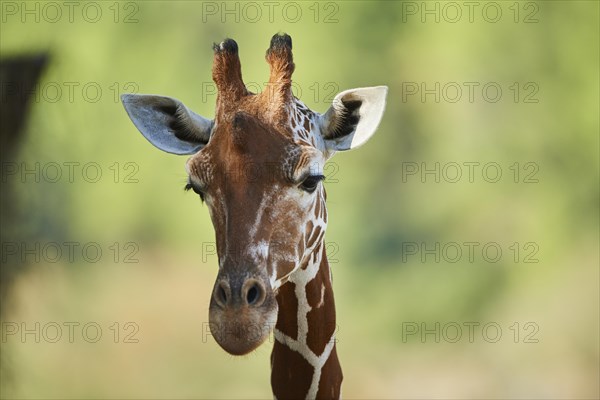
(304,361)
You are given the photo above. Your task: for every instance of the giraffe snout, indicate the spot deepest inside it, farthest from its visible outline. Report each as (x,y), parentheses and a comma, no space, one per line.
(243,311)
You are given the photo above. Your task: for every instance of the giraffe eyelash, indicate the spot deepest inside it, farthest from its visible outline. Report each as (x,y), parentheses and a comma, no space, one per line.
(190,186)
(310,183)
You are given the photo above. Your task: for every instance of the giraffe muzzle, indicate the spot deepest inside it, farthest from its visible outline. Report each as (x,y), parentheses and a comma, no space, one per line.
(243,311)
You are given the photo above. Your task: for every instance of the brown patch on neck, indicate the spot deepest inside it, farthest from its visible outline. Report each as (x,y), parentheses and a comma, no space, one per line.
(291,374)
(287,321)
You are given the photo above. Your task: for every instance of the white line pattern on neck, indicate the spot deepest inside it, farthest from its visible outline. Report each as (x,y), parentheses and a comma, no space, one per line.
(301,278)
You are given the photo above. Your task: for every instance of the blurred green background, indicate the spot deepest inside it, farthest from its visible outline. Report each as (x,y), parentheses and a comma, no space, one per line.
(385,218)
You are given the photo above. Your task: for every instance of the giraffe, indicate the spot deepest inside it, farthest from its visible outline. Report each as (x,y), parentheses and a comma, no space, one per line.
(258,166)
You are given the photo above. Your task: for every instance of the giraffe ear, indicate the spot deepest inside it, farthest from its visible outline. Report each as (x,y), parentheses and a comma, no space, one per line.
(353,117)
(167,123)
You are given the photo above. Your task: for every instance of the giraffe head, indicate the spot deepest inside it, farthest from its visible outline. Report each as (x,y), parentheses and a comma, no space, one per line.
(258,165)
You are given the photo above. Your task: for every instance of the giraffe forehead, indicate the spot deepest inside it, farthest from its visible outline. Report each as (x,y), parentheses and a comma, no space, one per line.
(277,156)
(286,117)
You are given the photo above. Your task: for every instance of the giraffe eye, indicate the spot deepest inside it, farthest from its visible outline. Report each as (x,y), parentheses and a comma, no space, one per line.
(311,182)
(196,190)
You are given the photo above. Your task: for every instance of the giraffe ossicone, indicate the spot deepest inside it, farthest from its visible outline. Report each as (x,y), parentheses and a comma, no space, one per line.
(259,166)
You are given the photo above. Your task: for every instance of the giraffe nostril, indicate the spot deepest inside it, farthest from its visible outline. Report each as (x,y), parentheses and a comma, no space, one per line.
(252,294)
(220,294)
